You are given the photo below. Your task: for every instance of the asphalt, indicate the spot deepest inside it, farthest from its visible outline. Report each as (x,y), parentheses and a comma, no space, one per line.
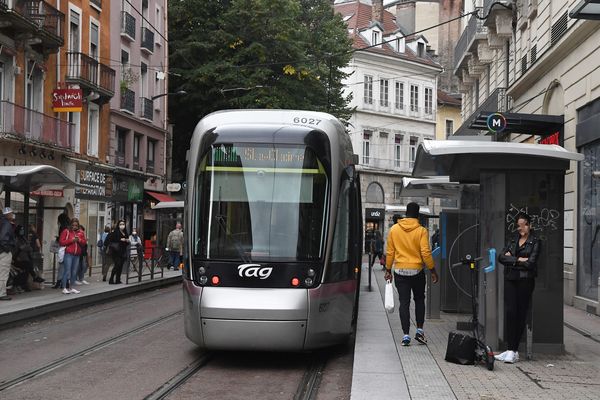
(383,369)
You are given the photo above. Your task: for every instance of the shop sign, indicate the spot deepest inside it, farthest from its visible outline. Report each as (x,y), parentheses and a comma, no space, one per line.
(552,139)
(136,191)
(126,189)
(98,185)
(67,100)
(47,193)
(496,123)
(375,213)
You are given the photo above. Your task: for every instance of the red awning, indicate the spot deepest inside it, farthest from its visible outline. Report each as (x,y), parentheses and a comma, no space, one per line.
(160,196)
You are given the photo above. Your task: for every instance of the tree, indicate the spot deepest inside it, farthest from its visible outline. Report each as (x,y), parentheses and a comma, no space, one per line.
(254,54)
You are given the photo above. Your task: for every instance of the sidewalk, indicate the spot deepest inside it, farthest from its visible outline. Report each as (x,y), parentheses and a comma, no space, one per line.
(40,302)
(383,369)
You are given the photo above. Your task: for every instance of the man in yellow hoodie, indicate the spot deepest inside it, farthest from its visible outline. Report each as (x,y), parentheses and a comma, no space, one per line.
(407,250)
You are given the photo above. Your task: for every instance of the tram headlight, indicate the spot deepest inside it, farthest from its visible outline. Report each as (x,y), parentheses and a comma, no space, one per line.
(203,279)
(308,281)
(311,272)
(201,270)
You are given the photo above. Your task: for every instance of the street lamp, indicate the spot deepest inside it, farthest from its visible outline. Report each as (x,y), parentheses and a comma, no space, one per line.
(586,9)
(179,93)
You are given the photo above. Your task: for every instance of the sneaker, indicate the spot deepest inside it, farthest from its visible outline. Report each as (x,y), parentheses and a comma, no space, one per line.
(406,340)
(66,291)
(85,282)
(420,336)
(511,357)
(78,283)
(38,279)
(501,356)
(75,291)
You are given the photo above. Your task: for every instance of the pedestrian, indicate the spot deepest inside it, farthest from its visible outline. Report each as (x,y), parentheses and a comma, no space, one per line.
(36,246)
(519,258)
(118,240)
(7,246)
(64,222)
(407,250)
(84,261)
(73,239)
(135,249)
(175,245)
(23,261)
(103,247)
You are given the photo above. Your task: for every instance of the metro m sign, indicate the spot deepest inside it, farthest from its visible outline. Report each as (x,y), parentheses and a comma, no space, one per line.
(67,100)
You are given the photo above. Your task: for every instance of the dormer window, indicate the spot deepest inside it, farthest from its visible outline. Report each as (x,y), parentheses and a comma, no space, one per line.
(421,49)
(397,44)
(375,38)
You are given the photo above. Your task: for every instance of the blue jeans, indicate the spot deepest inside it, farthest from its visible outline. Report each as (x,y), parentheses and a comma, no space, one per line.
(83,267)
(71,265)
(175,259)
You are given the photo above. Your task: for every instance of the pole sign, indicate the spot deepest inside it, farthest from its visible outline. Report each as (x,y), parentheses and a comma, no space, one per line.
(67,100)
(496,122)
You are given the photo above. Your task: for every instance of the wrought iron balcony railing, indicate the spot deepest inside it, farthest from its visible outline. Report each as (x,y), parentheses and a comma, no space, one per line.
(35,126)
(147,40)
(128,100)
(46,17)
(474,30)
(147,109)
(88,72)
(150,166)
(128,25)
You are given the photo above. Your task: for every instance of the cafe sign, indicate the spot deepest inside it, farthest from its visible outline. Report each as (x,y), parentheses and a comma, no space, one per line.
(67,100)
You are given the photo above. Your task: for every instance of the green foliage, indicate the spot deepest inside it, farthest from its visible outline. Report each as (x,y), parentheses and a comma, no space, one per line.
(230,54)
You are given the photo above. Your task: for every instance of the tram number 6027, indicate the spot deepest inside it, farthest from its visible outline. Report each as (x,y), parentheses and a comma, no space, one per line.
(308,121)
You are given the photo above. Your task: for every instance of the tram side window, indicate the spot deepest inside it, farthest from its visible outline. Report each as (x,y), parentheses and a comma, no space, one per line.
(338,270)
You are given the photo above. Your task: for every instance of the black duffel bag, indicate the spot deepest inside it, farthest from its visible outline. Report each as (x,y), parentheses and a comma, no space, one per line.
(461,348)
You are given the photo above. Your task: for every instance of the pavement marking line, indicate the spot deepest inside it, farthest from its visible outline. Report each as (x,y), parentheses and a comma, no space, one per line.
(82,353)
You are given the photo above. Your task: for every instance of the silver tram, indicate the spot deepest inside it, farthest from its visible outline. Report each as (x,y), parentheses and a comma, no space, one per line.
(273,230)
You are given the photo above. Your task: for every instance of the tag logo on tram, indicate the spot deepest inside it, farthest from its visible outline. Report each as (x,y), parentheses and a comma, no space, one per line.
(254,271)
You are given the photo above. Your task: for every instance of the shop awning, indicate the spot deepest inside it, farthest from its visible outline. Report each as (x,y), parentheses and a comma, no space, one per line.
(27,178)
(160,196)
(164,205)
(463,160)
(439,187)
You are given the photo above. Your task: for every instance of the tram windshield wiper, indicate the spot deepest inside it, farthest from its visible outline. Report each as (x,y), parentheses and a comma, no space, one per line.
(221,221)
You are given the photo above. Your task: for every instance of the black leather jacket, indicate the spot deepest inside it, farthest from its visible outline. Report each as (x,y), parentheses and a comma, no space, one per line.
(520,269)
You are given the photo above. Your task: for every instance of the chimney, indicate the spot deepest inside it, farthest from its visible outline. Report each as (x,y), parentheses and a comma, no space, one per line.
(405,15)
(377,11)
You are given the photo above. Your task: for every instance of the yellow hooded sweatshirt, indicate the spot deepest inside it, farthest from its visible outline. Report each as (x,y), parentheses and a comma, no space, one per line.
(408,246)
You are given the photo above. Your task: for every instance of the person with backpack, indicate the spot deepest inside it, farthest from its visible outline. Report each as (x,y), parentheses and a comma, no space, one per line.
(175,246)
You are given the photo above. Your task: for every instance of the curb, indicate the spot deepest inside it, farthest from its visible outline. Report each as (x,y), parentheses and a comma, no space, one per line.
(46,309)
(581,331)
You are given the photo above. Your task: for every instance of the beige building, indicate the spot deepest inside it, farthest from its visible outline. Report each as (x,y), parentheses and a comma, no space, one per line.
(448,117)
(531,57)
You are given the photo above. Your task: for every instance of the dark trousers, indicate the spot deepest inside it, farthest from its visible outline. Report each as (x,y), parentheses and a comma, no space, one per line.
(517,296)
(406,284)
(115,275)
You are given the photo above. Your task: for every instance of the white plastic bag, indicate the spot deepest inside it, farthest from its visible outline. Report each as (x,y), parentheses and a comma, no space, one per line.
(389,297)
(61,254)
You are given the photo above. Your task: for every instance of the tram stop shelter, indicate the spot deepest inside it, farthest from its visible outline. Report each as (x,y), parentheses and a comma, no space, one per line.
(25,179)
(512,178)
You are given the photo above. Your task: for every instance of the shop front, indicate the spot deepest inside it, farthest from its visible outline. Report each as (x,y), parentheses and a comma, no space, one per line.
(127,198)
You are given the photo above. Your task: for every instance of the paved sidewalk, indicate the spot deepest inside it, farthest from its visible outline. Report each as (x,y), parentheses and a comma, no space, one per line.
(48,300)
(383,369)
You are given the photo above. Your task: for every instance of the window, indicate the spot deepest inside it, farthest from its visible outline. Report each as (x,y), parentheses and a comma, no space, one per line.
(121,145)
(137,140)
(384,85)
(158,24)
(375,193)
(428,100)
(368,89)
(398,151)
(414,98)
(375,37)
(449,127)
(151,155)
(144,80)
(414,141)
(74,33)
(399,96)
(94,40)
(421,49)
(124,62)
(93,129)
(397,190)
(366,146)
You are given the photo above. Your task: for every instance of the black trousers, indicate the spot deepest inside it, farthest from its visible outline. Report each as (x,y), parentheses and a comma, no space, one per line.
(406,285)
(115,275)
(517,297)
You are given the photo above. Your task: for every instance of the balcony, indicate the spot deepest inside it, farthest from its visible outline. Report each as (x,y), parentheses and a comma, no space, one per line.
(496,102)
(120,158)
(36,23)
(147,109)
(91,75)
(127,26)
(388,164)
(147,40)
(34,126)
(500,18)
(127,100)
(467,43)
(97,4)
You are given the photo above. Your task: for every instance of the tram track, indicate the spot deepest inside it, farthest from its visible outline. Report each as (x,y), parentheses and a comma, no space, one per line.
(62,361)
(309,385)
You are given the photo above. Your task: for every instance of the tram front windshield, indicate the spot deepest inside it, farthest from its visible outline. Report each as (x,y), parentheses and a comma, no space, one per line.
(260,203)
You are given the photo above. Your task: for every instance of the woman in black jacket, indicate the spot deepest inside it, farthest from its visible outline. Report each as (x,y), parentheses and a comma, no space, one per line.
(117,242)
(519,257)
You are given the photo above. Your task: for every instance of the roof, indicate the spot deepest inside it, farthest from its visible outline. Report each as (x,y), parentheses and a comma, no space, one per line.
(423,210)
(28,178)
(360,18)
(438,187)
(160,196)
(447,98)
(463,160)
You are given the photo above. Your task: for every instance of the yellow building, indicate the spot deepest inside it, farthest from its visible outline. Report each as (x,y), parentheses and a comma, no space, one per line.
(448,115)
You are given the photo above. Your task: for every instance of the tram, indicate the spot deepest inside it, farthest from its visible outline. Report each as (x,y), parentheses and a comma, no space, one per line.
(273,231)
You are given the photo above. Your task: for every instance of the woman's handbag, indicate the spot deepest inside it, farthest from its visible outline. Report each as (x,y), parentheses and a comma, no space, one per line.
(114,248)
(389,297)
(61,254)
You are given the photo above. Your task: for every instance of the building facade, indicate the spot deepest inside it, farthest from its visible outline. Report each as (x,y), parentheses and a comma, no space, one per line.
(530,57)
(394,88)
